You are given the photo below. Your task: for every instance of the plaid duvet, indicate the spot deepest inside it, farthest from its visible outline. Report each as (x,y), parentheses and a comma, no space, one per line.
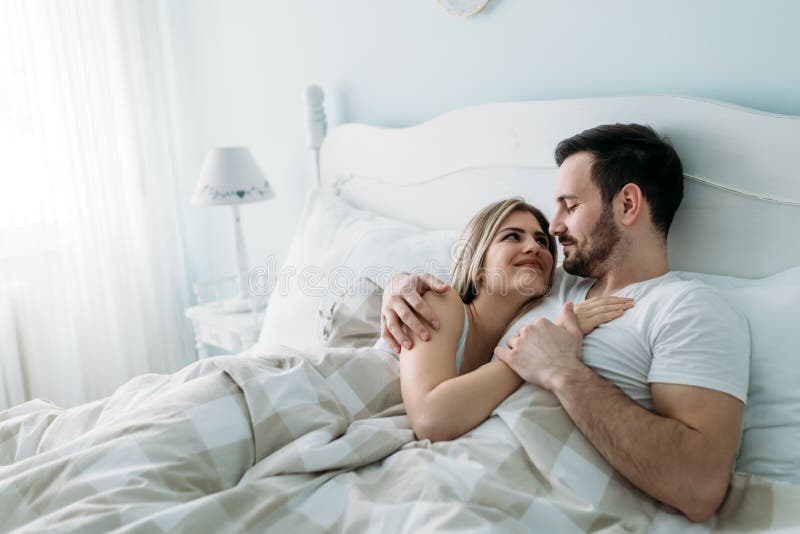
(273,440)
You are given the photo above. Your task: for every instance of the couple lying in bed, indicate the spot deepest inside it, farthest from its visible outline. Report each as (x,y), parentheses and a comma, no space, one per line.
(658,387)
(504,267)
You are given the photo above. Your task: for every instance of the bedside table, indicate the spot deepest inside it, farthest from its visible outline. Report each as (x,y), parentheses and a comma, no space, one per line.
(232,332)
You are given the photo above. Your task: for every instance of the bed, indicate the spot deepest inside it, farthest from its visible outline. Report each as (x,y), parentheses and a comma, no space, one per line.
(306,430)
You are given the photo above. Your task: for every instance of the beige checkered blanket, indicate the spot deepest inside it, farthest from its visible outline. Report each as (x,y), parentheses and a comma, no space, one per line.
(277,441)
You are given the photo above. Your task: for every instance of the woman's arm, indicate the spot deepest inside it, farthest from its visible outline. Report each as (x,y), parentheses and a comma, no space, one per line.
(440,404)
(459,404)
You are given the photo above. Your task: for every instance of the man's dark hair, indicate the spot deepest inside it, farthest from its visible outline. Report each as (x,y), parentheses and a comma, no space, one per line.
(631,153)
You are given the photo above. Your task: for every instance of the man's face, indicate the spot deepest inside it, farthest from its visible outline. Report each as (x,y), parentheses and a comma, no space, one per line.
(584,227)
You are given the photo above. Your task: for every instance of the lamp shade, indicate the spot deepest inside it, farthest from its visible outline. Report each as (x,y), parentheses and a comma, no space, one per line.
(230,175)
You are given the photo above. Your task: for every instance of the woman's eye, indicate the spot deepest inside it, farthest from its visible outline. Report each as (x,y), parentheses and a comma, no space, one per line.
(542,241)
(570,209)
(512,234)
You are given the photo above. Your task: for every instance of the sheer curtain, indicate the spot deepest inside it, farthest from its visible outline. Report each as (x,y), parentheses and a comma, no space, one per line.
(92,280)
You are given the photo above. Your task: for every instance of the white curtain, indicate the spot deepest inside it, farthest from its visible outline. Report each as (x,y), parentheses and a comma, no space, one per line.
(92,280)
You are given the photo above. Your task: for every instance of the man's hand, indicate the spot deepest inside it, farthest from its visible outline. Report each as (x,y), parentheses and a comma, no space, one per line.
(402,305)
(542,352)
(682,453)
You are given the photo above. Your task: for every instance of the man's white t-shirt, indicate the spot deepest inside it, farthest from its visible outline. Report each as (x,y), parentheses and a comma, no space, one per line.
(679,331)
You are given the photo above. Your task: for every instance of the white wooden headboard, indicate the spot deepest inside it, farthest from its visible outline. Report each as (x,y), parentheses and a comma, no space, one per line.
(437,174)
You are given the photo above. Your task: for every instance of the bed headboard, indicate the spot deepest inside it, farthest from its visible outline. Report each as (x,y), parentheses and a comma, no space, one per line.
(741,210)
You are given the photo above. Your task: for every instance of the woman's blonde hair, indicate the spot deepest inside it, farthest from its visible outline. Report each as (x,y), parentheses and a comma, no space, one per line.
(475,241)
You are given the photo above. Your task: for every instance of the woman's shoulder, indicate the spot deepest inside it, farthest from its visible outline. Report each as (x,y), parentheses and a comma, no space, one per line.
(448,307)
(449,300)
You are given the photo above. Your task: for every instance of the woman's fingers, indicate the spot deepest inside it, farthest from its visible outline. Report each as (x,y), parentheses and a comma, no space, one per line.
(606,317)
(606,300)
(603,304)
(603,301)
(596,311)
(605,308)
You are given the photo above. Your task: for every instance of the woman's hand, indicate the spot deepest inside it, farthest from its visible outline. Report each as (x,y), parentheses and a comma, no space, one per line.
(402,304)
(598,310)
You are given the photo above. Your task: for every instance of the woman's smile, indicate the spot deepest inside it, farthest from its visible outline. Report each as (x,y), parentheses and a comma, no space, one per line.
(530,263)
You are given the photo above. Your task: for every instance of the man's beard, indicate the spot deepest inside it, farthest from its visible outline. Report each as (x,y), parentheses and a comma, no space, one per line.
(598,247)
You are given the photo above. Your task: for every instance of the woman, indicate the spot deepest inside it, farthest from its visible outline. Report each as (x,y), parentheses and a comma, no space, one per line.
(503,268)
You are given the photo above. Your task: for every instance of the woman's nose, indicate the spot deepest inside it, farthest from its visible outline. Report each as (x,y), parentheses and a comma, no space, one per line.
(531,245)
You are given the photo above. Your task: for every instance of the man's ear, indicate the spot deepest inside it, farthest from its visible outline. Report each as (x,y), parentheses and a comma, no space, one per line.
(631,204)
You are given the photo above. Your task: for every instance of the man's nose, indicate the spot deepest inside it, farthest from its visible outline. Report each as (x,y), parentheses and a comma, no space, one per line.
(557,223)
(556,226)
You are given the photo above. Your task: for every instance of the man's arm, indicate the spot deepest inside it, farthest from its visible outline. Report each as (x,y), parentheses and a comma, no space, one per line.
(402,304)
(682,455)
(403,310)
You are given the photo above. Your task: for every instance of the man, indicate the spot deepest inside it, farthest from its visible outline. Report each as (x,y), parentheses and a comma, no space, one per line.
(660,391)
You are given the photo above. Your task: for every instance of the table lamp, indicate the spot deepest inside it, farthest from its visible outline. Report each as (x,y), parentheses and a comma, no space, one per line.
(230,177)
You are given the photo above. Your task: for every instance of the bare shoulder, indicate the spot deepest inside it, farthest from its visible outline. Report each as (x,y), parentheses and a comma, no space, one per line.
(448,307)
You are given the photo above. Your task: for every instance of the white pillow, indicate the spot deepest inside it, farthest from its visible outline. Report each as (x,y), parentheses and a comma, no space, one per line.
(334,247)
(771,429)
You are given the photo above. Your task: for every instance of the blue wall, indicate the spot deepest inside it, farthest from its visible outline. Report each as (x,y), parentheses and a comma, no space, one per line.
(242,66)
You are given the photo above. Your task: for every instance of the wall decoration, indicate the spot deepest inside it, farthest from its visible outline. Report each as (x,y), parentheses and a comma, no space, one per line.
(463,8)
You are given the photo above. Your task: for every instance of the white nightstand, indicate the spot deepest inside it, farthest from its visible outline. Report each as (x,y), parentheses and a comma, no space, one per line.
(232,332)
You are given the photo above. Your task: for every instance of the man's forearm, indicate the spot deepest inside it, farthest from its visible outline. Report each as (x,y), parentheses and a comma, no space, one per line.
(661,456)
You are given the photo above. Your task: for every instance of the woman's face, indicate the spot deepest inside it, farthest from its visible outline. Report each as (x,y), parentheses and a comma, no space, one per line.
(518,261)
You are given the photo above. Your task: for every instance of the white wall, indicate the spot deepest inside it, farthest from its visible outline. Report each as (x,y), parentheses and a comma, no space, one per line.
(242,66)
